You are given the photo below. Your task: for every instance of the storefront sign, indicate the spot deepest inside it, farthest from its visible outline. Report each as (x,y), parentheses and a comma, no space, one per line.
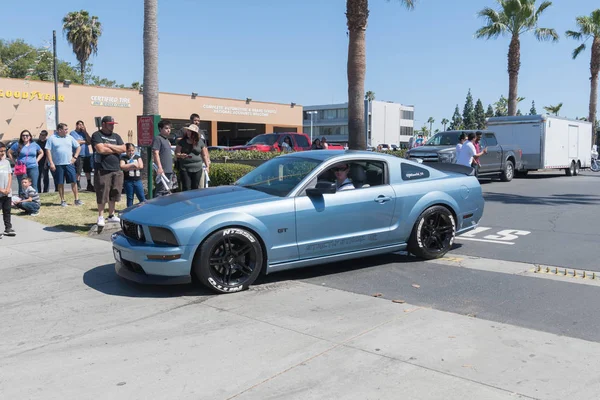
(104,101)
(17,94)
(246,111)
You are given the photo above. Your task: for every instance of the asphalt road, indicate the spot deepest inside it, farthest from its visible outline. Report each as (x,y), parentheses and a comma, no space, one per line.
(546,218)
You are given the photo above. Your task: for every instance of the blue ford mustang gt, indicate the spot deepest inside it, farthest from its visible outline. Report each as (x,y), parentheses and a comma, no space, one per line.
(294,211)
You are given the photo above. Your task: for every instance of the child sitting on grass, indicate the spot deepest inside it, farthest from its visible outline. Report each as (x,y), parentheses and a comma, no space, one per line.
(30,199)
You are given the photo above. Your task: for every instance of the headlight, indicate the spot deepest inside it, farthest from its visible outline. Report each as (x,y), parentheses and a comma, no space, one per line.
(446,157)
(140,233)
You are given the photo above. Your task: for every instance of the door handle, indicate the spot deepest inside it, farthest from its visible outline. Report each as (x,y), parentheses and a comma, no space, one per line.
(382,199)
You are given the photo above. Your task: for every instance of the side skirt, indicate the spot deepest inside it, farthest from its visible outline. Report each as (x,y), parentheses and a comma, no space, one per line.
(333,258)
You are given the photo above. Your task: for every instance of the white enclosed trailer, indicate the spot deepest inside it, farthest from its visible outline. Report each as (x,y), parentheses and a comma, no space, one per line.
(547,142)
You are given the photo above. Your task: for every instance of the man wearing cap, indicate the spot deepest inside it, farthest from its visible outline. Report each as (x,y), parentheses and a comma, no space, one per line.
(108,178)
(161,152)
(195,119)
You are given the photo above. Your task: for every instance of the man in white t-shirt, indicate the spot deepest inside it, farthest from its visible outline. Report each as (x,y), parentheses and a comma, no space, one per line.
(461,140)
(467,152)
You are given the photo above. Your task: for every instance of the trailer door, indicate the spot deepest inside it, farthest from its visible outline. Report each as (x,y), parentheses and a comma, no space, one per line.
(573,142)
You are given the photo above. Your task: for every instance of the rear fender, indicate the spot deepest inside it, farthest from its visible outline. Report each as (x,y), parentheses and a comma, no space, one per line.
(432,199)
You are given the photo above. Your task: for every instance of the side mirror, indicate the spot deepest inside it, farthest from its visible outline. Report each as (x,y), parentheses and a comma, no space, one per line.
(323,187)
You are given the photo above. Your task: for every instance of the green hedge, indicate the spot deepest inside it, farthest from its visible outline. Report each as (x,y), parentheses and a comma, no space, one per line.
(227,174)
(267,155)
(243,155)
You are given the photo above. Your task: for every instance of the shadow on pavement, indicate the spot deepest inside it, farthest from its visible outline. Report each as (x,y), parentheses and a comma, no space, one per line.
(341,267)
(556,199)
(104,280)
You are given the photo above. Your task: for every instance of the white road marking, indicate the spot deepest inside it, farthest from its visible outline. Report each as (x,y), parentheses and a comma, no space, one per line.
(504,236)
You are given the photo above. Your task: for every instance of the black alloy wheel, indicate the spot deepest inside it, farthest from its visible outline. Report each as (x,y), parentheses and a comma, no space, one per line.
(229,261)
(433,233)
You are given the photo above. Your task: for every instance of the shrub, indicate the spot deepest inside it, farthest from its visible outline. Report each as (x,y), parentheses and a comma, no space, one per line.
(243,155)
(227,174)
(397,153)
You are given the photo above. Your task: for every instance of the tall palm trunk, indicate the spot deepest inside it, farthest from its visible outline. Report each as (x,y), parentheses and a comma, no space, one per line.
(82,69)
(357,12)
(150,106)
(594,69)
(514,64)
(150,57)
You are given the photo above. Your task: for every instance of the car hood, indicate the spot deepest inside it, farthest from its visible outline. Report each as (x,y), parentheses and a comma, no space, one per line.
(165,209)
(429,149)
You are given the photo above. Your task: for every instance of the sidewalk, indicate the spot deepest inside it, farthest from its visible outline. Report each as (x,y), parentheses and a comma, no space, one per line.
(71,329)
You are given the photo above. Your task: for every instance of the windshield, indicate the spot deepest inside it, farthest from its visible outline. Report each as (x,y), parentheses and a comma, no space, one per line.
(263,139)
(444,139)
(279,175)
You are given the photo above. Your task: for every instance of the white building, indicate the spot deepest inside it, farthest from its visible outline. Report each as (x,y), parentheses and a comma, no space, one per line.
(385,122)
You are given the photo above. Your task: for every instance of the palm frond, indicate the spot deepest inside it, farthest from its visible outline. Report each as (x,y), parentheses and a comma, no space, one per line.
(542,8)
(489,14)
(491,31)
(544,34)
(578,50)
(587,26)
(574,35)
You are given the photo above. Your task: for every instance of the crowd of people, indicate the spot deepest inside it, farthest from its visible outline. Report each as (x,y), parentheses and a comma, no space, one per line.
(116,167)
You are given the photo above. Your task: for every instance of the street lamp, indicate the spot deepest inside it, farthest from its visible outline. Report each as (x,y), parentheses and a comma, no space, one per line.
(311,123)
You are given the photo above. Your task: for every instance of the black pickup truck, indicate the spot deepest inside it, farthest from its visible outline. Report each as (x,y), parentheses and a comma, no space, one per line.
(500,160)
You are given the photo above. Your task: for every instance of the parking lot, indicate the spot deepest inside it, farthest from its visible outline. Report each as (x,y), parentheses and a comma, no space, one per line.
(480,323)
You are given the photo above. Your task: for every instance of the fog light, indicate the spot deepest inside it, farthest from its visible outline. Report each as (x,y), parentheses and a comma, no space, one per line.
(164,257)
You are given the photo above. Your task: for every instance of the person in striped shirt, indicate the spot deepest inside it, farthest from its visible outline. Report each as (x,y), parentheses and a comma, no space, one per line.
(29,200)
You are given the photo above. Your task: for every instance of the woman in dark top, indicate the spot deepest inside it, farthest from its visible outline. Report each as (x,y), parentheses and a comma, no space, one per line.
(43,167)
(189,153)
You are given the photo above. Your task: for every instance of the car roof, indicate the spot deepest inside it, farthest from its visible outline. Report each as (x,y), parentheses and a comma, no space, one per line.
(323,155)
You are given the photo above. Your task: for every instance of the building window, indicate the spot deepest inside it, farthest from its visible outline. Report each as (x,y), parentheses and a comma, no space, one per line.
(406,130)
(407,114)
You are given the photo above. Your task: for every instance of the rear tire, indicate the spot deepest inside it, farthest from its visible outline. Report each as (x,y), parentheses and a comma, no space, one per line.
(229,261)
(571,170)
(576,168)
(594,166)
(509,172)
(433,233)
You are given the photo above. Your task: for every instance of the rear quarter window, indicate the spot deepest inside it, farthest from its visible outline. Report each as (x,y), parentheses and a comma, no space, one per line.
(411,172)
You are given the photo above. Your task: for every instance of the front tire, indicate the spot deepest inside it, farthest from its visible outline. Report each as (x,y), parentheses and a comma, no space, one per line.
(509,172)
(229,261)
(433,233)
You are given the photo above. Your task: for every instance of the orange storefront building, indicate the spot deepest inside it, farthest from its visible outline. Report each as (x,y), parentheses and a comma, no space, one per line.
(226,122)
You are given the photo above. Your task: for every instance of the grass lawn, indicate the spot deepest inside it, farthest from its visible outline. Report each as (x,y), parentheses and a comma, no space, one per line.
(76,219)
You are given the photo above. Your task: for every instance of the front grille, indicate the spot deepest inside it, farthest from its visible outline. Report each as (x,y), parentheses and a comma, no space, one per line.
(425,157)
(130,230)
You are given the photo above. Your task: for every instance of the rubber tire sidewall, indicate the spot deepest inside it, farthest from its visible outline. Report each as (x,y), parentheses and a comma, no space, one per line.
(571,170)
(504,176)
(413,242)
(201,267)
(576,169)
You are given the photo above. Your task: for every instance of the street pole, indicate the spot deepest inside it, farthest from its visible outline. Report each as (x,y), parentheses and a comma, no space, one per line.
(311,127)
(56,119)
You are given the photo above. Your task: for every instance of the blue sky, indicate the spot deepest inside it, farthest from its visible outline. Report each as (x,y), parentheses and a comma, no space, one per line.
(284,51)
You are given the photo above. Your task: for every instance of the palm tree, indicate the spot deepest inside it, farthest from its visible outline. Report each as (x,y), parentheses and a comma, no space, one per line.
(444,122)
(370,96)
(357,15)
(589,28)
(430,121)
(150,57)
(554,109)
(514,18)
(82,33)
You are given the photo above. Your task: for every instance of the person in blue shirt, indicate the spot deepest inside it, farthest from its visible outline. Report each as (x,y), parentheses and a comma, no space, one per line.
(62,151)
(29,153)
(84,161)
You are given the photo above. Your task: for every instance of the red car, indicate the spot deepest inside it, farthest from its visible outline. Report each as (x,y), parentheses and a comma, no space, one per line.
(272,142)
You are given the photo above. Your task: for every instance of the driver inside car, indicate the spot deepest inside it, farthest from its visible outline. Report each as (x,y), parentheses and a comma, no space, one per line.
(342,182)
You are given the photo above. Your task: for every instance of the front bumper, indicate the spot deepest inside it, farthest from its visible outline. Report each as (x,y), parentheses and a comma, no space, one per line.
(132,262)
